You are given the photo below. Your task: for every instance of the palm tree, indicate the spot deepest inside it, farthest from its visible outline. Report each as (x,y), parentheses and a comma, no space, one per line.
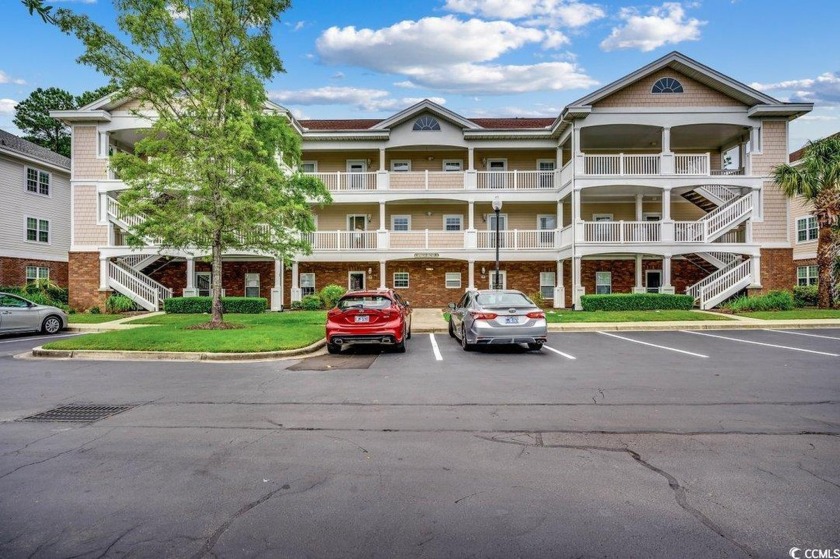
(817,179)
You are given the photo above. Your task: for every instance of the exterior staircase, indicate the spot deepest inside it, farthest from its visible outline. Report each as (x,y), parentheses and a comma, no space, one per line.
(721,285)
(138,287)
(710,196)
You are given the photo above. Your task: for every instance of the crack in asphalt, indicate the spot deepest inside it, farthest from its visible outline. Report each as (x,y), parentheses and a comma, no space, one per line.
(680,493)
(81,447)
(804,469)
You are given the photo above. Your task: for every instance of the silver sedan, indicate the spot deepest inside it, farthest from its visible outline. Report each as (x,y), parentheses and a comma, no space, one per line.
(497,317)
(21,315)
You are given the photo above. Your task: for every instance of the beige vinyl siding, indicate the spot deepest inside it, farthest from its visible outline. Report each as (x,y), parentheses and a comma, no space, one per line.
(85,163)
(626,211)
(799,207)
(520,160)
(330,162)
(86,231)
(420,160)
(695,94)
(775,227)
(773,148)
(130,105)
(524,160)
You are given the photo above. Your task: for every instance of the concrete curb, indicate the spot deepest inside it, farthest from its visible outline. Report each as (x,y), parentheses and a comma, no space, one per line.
(103,355)
(669,325)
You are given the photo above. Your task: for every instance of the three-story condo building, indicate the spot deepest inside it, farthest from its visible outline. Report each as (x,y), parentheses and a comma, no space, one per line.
(657,182)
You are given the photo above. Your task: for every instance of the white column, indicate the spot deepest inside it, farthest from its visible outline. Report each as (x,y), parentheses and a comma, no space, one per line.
(295,292)
(382,216)
(277,290)
(560,288)
(471,215)
(666,140)
(639,287)
(103,273)
(471,274)
(639,207)
(667,161)
(755,270)
(190,290)
(576,281)
(381,159)
(560,215)
(558,158)
(666,275)
(576,206)
(666,204)
(382,274)
(470,159)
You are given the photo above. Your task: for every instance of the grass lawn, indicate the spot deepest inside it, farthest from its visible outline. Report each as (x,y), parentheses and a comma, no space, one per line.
(566,316)
(86,318)
(796,314)
(261,332)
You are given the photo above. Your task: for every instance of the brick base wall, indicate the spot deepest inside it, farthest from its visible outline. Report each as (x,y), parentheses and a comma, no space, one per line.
(174,276)
(13,270)
(83,288)
(778,270)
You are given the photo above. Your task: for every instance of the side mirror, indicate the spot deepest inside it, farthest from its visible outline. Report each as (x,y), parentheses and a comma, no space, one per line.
(407,304)
(451,306)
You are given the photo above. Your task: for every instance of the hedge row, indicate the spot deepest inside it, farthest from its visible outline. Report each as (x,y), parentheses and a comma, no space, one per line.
(773,301)
(198,305)
(636,302)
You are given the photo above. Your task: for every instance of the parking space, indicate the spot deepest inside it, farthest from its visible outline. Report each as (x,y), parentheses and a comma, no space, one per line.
(13,344)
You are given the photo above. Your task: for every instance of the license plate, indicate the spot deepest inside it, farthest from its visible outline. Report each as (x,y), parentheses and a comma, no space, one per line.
(363,318)
(511,320)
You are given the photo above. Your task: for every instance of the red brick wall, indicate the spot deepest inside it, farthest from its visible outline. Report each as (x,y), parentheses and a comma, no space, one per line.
(174,276)
(778,270)
(83,288)
(13,270)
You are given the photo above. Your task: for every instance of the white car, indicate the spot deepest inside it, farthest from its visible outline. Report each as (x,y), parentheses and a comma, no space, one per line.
(21,315)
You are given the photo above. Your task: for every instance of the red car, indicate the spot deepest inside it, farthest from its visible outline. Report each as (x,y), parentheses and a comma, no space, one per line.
(369,317)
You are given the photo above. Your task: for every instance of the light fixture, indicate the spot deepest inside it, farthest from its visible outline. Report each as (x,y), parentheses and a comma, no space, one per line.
(484,218)
(368,162)
(430,158)
(429,214)
(370,271)
(369,218)
(483,271)
(484,161)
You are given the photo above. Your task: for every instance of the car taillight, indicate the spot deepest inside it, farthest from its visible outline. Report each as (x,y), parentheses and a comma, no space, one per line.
(483,315)
(386,313)
(536,314)
(334,312)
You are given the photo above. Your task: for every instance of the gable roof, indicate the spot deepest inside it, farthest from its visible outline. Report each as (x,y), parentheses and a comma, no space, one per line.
(800,153)
(425,106)
(515,122)
(13,144)
(340,124)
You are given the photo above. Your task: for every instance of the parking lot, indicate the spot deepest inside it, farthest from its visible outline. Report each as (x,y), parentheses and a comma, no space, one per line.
(705,443)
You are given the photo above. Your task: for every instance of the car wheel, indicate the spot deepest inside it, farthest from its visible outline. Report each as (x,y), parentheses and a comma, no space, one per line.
(51,325)
(466,346)
(334,348)
(451,329)
(408,334)
(535,346)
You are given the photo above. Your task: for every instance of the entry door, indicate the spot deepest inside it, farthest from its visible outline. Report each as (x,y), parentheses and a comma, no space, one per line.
(498,177)
(252,285)
(501,283)
(546,169)
(356,281)
(491,226)
(358,225)
(547,223)
(203,282)
(357,180)
(653,280)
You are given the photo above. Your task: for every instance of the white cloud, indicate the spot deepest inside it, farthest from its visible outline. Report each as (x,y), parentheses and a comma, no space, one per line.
(7,106)
(819,118)
(554,39)
(663,25)
(372,100)
(534,12)
(513,111)
(824,89)
(5,78)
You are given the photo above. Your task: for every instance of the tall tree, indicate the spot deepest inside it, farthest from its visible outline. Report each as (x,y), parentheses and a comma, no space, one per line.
(89,97)
(213,173)
(32,117)
(817,180)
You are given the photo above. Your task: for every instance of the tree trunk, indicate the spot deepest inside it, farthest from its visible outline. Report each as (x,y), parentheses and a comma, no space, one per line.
(217,281)
(824,264)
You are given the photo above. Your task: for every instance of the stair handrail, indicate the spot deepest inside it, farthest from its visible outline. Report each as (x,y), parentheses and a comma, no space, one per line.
(139,283)
(719,191)
(694,289)
(724,282)
(725,217)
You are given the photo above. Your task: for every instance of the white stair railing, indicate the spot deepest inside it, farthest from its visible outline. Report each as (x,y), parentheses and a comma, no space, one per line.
(717,193)
(694,290)
(726,217)
(726,285)
(140,288)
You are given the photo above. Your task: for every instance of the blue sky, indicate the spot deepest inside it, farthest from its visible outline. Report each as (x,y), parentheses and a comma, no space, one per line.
(369,59)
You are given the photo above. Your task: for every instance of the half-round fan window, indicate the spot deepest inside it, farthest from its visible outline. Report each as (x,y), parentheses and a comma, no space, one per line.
(426,123)
(667,85)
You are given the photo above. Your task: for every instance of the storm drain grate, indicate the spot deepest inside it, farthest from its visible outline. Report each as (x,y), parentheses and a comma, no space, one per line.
(78,413)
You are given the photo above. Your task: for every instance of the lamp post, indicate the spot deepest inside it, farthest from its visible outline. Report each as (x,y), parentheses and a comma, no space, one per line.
(497,207)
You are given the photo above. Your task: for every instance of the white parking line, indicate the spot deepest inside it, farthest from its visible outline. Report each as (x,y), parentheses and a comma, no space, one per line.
(566,355)
(760,343)
(654,345)
(801,334)
(435,348)
(23,339)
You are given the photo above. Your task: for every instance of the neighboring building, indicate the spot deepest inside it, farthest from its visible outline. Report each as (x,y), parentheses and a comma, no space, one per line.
(35,221)
(658,182)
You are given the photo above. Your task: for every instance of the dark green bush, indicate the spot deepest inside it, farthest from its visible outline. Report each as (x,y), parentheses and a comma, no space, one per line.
(331,294)
(805,295)
(312,303)
(297,305)
(203,305)
(636,302)
(94,310)
(47,288)
(119,304)
(773,301)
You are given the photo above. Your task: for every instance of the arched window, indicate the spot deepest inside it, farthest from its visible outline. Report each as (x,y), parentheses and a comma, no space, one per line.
(667,85)
(426,123)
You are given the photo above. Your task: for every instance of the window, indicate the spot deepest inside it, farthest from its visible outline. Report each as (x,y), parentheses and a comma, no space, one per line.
(400,280)
(426,123)
(400,223)
(452,165)
(547,285)
(806,275)
(667,85)
(307,284)
(806,229)
(453,222)
(546,172)
(453,280)
(35,273)
(400,165)
(103,145)
(308,166)
(603,283)
(252,285)
(37,230)
(602,217)
(37,182)
(651,217)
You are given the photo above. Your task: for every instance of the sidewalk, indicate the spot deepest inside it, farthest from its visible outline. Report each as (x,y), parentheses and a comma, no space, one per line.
(121,324)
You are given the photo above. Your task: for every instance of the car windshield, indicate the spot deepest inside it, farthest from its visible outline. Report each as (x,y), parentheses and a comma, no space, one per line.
(364,302)
(502,299)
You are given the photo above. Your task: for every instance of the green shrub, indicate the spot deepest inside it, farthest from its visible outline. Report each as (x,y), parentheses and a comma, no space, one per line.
(773,301)
(636,302)
(94,310)
(297,305)
(47,288)
(331,294)
(204,305)
(537,298)
(312,303)
(41,299)
(805,295)
(119,304)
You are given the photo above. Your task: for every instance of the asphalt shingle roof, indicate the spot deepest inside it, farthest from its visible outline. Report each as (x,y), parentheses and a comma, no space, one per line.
(25,147)
(367,123)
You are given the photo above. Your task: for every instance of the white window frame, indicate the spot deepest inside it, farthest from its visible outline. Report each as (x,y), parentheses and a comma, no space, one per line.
(208,275)
(40,173)
(245,291)
(353,217)
(603,217)
(491,273)
(449,280)
(810,279)
(38,222)
(314,166)
(647,281)
(301,282)
(407,280)
(544,216)
(503,220)
(608,285)
(401,162)
(364,279)
(807,229)
(656,215)
(460,218)
(446,162)
(38,275)
(545,283)
(406,216)
(103,145)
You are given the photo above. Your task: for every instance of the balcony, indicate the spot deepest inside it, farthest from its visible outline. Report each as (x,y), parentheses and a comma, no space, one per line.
(428,239)
(622,164)
(441,181)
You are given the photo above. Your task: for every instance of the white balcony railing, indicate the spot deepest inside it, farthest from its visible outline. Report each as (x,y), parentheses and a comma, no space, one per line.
(622,231)
(515,180)
(692,164)
(342,240)
(621,164)
(517,239)
(338,181)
